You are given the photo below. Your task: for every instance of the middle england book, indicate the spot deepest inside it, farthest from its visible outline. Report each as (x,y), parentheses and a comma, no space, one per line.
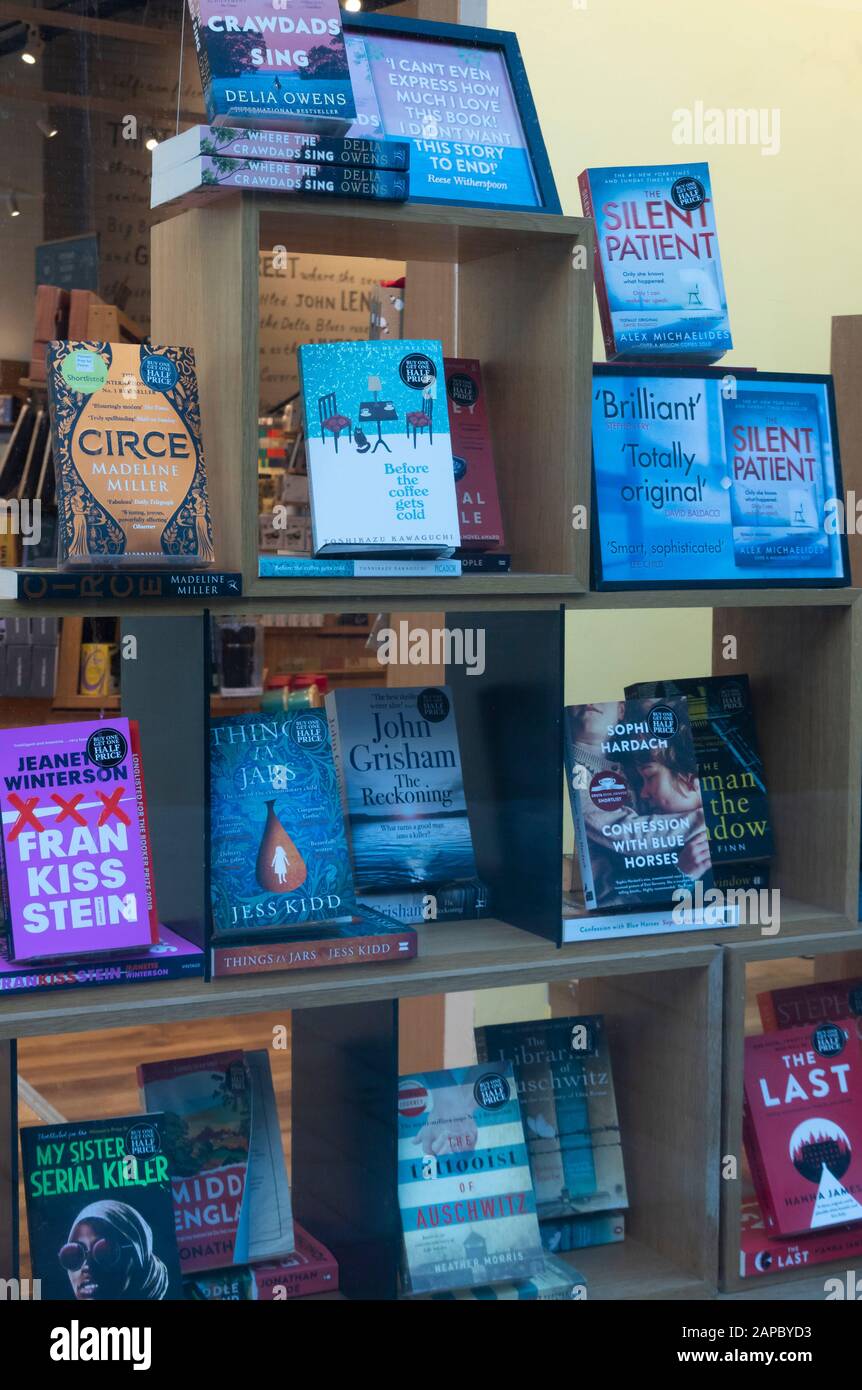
(378,449)
(468,1210)
(77,855)
(636,800)
(566,1089)
(278,846)
(399,767)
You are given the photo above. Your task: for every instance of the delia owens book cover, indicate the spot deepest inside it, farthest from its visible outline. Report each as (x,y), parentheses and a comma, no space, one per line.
(803,1126)
(399,768)
(566,1089)
(278,845)
(128,454)
(658,273)
(278,63)
(468,1210)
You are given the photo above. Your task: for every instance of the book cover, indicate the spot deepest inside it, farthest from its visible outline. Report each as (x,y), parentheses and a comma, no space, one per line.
(309,1269)
(636,802)
(279,63)
(295,148)
(762,1252)
(77,854)
(399,767)
(701,479)
(378,448)
(172,957)
(658,272)
(99,1210)
(556,1282)
(128,454)
(198,179)
(278,845)
(566,1089)
(475,472)
(803,1126)
(732,778)
(359,943)
(468,1211)
(819,1002)
(207,1105)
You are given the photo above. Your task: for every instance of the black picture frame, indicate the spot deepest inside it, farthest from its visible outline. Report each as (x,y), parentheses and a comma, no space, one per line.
(601,585)
(504,43)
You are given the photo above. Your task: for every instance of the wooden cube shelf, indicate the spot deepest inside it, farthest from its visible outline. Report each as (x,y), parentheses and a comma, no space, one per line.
(522,303)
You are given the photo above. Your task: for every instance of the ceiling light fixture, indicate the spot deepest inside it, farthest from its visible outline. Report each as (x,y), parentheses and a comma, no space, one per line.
(152,143)
(48,130)
(14,210)
(353,6)
(34,46)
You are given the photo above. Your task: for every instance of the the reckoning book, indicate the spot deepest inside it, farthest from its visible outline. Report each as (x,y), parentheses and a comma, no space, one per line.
(468,1210)
(658,274)
(399,766)
(128,455)
(279,855)
(566,1089)
(77,855)
(99,1210)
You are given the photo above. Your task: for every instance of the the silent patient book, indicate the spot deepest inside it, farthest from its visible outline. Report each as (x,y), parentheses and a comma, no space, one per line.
(378,449)
(99,1210)
(77,855)
(128,455)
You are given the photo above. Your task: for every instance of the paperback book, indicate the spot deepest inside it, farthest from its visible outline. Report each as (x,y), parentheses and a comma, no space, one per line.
(399,769)
(468,1211)
(557,1281)
(475,473)
(128,455)
(198,180)
(279,63)
(278,846)
(294,148)
(378,448)
(732,779)
(566,1090)
(658,273)
(99,1210)
(75,840)
(819,1002)
(310,1269)
(567,1233)
(802,1126)
(172,957)
(701,482)
(761,1252)
(636,803)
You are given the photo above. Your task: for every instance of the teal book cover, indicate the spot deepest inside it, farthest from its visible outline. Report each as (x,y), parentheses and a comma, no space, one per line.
(563,1072)
(278,850)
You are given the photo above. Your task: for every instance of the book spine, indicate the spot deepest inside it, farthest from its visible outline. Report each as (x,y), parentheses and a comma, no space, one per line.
(203,55)
(143,827)
(34,586)
(347,153)
(758,1169)
(766,1008)
(300,567)
(485,563)
(126,973)
(598,270)
(259,959)
(581,838)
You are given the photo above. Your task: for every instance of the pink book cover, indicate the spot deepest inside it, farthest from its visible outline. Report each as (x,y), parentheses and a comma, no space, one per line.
(77,854)
(207,1105)
(473,454)
(761,1253)
(803,1132)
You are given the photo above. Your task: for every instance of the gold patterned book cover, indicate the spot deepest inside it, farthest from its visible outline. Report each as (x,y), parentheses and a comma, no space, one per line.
(131,478)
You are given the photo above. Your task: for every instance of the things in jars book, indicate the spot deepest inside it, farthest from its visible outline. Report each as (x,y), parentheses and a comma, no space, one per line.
(468,1210)
(128,456)
(77,855)
(378,448)
(99,1210)
(278,844)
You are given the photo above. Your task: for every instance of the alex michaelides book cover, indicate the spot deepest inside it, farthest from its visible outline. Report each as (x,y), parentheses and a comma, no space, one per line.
(802,1126)
(278,845)
(636,800)
(77,854)
(468,1210)
(659,282)
(99,1210)
(566,1089)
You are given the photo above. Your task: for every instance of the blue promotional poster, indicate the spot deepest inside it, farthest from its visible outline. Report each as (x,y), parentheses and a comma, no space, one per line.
(715,480)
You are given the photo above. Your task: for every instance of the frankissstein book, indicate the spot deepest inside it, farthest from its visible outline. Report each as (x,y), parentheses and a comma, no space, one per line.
(77,854)
(279,63)
(566,1089)
(636,802)
(99,1210)
(658,273)
(378,449)
(732,780)
(399,767)
(279,856)
(128,454)
(468,1211)
(802,1126)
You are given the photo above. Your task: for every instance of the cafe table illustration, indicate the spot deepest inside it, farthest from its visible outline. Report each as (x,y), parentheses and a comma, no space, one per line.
(378,412)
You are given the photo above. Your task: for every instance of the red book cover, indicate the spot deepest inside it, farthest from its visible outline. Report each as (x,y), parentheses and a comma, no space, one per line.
(257,958)
(761,1253)
(598,270)
(803,1129)
(475,474)
(821,1002)
(310,1269)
